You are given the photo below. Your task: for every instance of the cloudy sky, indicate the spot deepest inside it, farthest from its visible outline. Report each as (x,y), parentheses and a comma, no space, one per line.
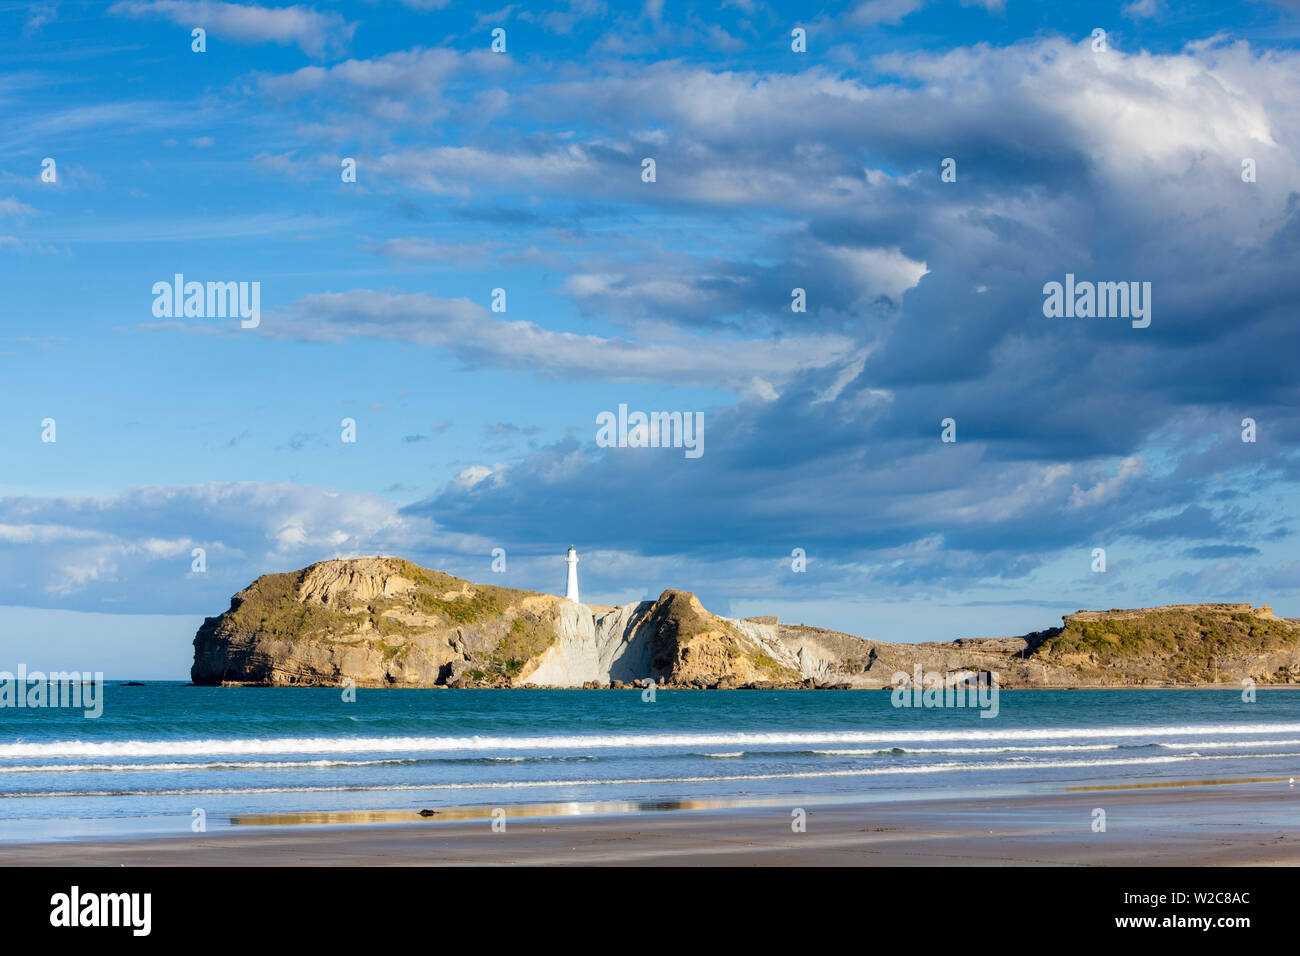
(1117,158)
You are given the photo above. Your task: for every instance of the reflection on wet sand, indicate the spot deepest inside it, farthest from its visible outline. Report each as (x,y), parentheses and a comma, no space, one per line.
(1180,783)
(573,808)
(443,814)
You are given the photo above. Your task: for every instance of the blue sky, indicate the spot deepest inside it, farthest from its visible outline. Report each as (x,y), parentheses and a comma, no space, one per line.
(522,171)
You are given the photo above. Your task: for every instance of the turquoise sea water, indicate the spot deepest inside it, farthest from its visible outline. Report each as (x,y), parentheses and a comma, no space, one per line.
(161,750)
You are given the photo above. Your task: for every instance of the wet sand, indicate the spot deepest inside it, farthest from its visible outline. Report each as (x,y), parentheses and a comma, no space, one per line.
(1249,823)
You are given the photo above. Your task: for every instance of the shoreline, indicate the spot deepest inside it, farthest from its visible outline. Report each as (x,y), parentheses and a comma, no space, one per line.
(1002,688)
(1201,823)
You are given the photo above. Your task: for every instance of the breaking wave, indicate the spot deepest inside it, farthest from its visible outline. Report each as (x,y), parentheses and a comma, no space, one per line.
(343,745)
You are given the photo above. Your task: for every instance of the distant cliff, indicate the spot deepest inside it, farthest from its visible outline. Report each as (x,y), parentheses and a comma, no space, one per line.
(385,622)
(1187,643)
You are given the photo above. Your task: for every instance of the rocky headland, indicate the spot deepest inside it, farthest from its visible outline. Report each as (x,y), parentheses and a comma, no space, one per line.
(386,622)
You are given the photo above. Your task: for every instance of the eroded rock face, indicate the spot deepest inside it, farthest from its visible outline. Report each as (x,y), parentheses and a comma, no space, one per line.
(697,649)
(388,622)
(385,622)
(602,647)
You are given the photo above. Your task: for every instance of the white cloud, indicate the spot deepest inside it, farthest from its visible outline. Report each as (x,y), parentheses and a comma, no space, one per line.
(470,332)
(1106,489)
(132,551)
(38,15)
(416,249)
(472,475)
(872,12)
(1142,9)
(878,271)
(315,33)
(15,208)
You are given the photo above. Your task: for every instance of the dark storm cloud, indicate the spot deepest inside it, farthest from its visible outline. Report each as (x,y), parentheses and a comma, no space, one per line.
(1067,163)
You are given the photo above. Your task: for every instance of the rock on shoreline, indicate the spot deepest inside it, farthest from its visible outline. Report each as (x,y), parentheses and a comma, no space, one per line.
(386,622)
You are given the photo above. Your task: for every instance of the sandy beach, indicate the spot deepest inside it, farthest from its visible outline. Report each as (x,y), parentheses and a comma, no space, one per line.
(1217,825)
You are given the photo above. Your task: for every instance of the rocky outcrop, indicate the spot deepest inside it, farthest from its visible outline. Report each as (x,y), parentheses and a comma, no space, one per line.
(1184,643)
(673,641)
(385,622)
(377,621)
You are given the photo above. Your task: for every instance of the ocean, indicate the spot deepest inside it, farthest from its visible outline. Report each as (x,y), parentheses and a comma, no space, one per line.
(162,751)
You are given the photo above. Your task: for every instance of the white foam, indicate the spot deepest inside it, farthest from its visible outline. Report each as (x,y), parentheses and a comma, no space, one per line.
(1062,748)
(749,741)
(1230,743)
(635,781)
(196,765)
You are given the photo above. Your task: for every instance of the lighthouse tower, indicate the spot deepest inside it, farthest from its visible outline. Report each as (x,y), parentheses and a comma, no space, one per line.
(571,590)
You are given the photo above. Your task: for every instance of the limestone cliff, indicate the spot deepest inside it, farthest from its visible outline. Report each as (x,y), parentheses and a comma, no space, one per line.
(388,622)
(385,622)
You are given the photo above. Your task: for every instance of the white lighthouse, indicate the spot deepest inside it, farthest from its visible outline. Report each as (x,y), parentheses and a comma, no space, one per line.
(571,590)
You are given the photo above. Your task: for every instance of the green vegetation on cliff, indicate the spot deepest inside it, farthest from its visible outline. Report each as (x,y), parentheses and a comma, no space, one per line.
(1169,644)
(472,608)
(270,607)
(527,638)
(384,621)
